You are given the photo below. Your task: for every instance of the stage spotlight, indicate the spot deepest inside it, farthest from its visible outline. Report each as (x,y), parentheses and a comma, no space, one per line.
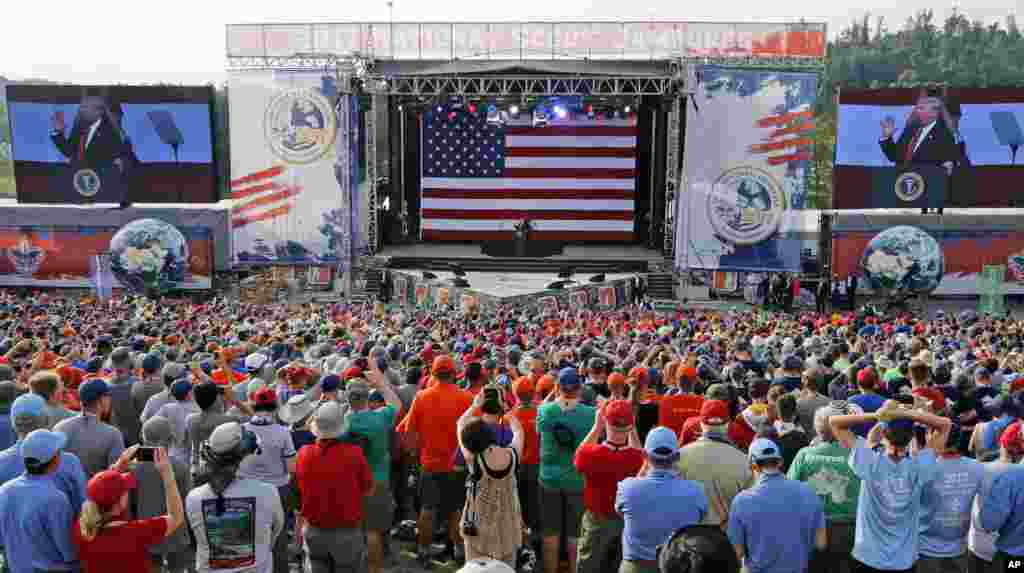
(628,109)
(561,112)
(493,116)
(439,109)
(429,276)
(514,110)
(472,108)
(598,278)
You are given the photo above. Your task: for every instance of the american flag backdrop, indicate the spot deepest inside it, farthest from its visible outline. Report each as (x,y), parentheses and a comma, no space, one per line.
(574,179)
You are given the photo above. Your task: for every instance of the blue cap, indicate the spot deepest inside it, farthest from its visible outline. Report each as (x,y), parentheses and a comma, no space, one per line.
(662,443)
(181,388)
(330,383)
(151,363)
(899,425)
(92,390)
(39,447)
(28,405)
(763,449)
(792,362)
(94,365)
(568,379)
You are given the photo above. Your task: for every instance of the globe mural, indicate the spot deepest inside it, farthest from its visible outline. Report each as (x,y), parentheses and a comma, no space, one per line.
(149,256)
(903,258)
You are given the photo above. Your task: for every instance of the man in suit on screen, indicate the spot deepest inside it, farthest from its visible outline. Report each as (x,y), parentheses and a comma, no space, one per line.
(928,138)
(96,139)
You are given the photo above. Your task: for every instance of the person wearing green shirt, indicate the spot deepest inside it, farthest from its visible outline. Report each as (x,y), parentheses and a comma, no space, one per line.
(376,427)
(562,424)
(824,466)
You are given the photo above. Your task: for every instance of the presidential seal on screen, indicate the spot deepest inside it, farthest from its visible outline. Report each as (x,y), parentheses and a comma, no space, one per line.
(299,125)
(909,186)
(87,182)
(745,206)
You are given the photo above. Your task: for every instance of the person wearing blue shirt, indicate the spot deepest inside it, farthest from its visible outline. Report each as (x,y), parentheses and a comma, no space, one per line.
(656,503)
(775,525)
(946,515)
(35,515)
(1000,509)
(892,484)
(28,414)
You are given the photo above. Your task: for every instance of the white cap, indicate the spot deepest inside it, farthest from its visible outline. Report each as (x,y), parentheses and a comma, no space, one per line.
(256,361)
(486,566)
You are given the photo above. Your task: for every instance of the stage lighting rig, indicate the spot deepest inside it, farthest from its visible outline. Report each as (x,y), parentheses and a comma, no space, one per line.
(540,118)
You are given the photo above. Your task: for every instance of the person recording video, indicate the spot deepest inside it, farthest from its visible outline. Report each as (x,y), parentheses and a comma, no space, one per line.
(96,138)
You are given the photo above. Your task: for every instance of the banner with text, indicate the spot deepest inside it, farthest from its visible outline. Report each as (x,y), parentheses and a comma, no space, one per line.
(748,145)
(288,178)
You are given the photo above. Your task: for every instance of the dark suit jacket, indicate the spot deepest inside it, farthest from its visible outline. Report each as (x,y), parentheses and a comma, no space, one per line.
(106,146)
(938,147)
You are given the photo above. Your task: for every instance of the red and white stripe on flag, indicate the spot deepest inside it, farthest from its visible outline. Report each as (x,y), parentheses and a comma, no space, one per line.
(261,196)
(574,180)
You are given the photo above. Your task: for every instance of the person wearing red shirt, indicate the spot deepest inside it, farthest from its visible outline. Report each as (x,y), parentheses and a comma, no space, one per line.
(333,478)
(680,403)
(431,424)
(603,466)
(529,464)
(105,536)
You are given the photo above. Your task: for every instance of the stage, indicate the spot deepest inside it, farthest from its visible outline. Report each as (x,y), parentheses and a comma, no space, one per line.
(582,259)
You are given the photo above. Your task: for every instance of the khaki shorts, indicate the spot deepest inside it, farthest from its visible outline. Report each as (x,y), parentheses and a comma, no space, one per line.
(561,511)
(379,508)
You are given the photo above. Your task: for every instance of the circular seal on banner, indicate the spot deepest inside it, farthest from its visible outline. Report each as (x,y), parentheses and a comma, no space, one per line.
(299,125)
(909,186)
(87,182)
(746,205)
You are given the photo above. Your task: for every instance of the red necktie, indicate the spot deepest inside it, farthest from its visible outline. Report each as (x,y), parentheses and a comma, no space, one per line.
(82,137)
(913,144)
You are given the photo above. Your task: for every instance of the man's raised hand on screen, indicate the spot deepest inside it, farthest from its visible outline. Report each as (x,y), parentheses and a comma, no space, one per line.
(888,127)
(58,121)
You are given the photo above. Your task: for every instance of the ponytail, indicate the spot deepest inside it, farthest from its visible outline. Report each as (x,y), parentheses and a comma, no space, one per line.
(91,520)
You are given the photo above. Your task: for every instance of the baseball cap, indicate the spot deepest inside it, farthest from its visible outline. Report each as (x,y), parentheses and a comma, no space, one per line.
(181,388)
(763,449)
(935,396)
(157,431)
(328,421)
(714,412)
(568,379)
(151,363)
(256,362)
(330,383)
(357,391)
(523,385)
(661,443)
(717,392)
(205,394)
(92,390)
(792,362)
(28,406)
(106,488)
(121,357)
(619,413)
(442,364)
(616,379)
(1012,439)
(173,371)
(40,446)
(228,437)
(8,393)
(486,565)
(263,397)
(545,384)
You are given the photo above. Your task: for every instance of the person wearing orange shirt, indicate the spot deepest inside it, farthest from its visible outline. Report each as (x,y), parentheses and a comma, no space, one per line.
(680,403)
(529,463)
(431,423)
(224,375)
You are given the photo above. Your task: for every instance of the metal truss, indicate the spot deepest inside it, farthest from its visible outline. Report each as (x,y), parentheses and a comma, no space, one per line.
(671,177)
(525,85)
(371,180)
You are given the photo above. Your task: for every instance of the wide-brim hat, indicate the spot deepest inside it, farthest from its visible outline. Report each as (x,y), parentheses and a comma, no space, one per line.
(297,408)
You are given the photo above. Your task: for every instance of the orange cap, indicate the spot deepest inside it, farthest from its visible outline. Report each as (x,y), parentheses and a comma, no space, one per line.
(442,364)
(545,384)
(523,385)
(639,373)
(616,379)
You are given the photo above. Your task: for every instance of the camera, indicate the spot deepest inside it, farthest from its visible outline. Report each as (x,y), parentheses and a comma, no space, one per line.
(469,529)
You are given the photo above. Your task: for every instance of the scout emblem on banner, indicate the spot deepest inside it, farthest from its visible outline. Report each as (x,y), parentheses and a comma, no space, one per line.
(422,295)
(548,303)
(606,297)
(579,299)
(299,125)
(442,296)
(745,206)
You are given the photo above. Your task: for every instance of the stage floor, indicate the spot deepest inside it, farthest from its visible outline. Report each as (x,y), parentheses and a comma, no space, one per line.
(508,285)
(571,252)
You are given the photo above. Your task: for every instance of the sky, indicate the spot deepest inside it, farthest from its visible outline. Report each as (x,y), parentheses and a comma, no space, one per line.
(182,41)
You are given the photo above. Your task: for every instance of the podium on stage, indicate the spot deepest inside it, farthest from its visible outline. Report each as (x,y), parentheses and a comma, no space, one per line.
(911,186)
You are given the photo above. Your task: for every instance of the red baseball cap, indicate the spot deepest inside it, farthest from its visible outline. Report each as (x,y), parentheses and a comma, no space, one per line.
(107,487)
(867,377)
(352,372)
(264,397)
(639,373)
(442,364)
(714,412)
(619,413)
(545,384)
(933,395)
(616,379)
(1012,439)
(523,385)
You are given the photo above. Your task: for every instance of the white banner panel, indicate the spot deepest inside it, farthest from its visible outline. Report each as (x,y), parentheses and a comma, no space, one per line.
(288,207)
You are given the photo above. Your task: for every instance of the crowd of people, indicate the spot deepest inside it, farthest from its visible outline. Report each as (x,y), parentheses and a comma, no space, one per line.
(140,435)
